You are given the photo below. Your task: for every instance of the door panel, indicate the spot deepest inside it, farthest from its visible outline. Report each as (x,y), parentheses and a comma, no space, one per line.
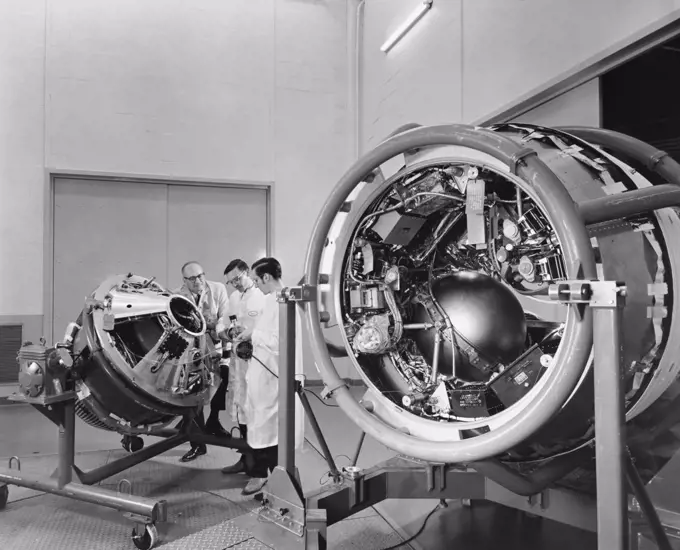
(103,228)
(214,225)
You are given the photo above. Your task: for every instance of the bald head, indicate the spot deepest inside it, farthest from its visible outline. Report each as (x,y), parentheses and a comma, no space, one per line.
(194,277)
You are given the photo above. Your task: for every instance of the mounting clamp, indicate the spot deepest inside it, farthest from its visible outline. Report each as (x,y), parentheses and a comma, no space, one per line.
(582,293)
(302,293)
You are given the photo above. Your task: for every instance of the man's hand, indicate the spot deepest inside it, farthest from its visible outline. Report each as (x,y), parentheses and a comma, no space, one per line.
(245,335)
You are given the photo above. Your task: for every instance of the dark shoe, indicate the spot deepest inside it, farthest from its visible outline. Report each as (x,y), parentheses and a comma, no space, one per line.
(215,428)
(194,453)
(255,485)
(237,468)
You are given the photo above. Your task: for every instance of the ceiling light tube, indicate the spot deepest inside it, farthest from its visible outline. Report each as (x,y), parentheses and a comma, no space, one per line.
(406,26)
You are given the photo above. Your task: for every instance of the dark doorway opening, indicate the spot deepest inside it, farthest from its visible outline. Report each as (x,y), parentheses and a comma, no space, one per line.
(641,98)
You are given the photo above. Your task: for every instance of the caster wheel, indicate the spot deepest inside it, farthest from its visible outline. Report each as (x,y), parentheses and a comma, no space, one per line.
(4,496)
(132,443)
(148,537)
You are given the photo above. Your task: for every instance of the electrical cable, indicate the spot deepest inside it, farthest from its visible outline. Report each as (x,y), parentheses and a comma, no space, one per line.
(320,400)
(304,389)
(418,532)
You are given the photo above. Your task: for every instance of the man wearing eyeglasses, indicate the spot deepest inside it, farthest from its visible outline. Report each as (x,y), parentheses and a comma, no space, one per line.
(246,303)
(211,299)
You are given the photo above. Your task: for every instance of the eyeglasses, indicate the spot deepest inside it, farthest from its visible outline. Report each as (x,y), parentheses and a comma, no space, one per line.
(235,279)
(195,278)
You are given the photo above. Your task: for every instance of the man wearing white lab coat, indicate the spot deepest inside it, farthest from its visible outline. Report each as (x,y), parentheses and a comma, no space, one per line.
(262,382)
(246,303)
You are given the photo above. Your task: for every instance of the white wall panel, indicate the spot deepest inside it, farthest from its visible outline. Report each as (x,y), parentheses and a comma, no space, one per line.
(511,47)
(184,90)
(22,47)
(419,80)
(104,228)
(466,59)
(578,107)
(214,225)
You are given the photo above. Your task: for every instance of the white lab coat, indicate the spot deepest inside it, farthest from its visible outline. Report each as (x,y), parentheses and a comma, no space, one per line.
(262,386)
(247,306)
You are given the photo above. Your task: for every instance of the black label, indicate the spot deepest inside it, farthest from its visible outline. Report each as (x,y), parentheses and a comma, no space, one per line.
(470,399)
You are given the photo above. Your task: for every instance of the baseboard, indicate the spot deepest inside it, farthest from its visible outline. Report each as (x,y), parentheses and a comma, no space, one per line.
(8,389)
(317,382)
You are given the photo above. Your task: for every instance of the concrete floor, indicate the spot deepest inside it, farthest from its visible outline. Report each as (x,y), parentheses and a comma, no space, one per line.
(25,433)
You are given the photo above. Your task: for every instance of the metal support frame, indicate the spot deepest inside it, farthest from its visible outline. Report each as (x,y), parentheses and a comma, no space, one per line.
(282,495)
(61,410)
(144,512)
(354,489)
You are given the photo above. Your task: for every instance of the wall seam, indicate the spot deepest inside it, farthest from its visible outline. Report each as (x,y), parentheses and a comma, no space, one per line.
(462,61)
(44,120)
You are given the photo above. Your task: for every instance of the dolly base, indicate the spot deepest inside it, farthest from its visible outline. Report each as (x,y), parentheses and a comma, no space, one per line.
(403,478)
(143,512)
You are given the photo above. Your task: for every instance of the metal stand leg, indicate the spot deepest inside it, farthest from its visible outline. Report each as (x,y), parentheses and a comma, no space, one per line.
(67,440)
(333,469)
(355,458)
(287,387)
(610,450)
(282,495)
(646,506)
(145,512)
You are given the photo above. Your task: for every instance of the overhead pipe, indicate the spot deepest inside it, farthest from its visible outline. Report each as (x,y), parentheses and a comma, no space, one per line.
(630,203)
(652,158)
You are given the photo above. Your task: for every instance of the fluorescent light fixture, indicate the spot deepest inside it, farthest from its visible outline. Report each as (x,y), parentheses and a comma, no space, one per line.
(406,26)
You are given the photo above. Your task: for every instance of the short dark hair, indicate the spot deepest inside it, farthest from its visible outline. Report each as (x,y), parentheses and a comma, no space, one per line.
(269,266)
(236,264)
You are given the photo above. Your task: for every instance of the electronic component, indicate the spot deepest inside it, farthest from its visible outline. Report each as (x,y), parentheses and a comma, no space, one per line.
(398,229)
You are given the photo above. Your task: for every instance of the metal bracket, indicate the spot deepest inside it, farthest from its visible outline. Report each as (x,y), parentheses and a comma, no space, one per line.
(355,480)
(519,158)
(303,293)
(283,502)
(328,392)
(582,293)
(316,530)
(540,500)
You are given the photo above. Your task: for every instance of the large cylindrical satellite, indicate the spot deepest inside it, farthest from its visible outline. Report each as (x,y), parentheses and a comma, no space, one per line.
(434,255)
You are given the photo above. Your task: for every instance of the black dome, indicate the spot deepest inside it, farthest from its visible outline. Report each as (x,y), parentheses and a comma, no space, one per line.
(483,312)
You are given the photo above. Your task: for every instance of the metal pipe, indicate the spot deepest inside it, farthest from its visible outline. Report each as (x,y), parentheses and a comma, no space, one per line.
(117,466)
(335,473)
(646,506)
(610,445)
(418,326)
(534,483)
(630,203)
(578,337)
(654,159)
(153,509)
(518,198)
(66,445)
(355,457)
(287,386)
(435,357)
(236,443)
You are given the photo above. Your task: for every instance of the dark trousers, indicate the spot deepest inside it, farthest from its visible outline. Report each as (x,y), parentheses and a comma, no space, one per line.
(263,462)
(217,403)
